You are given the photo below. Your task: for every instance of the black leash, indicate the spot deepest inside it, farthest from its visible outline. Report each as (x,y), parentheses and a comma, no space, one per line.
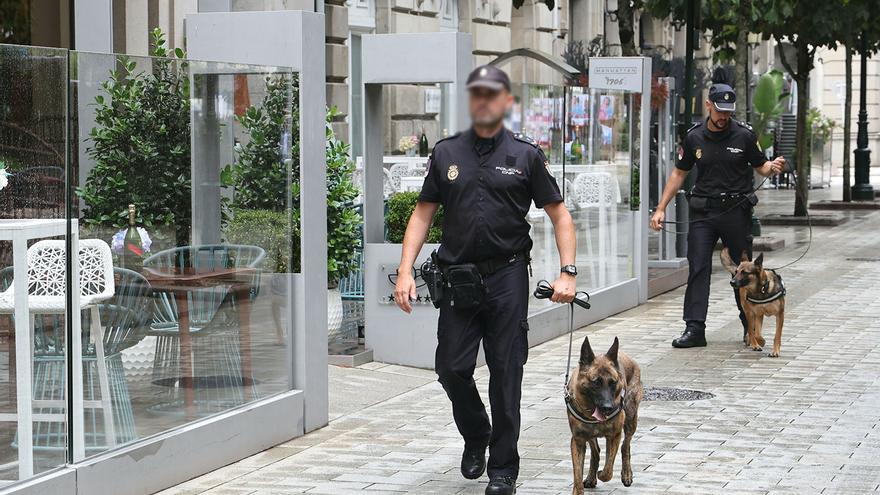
(797,193)
(544,291)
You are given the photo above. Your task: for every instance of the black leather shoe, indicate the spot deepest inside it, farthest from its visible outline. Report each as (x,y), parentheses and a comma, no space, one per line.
(473,462)
(504,485)
(691,337)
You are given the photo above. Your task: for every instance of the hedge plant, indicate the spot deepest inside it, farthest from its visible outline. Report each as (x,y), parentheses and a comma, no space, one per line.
(398,210)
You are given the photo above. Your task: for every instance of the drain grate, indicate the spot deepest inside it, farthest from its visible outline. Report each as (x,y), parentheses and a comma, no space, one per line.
(674,394)
(869,260)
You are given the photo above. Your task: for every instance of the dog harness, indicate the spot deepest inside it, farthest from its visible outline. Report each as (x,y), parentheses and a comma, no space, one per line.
(768,298)
(572,409)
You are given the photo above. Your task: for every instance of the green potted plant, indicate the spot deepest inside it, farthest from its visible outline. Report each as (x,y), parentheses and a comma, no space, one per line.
(821,128)
(141,149)
(260,198)
(768,103)
(398,210)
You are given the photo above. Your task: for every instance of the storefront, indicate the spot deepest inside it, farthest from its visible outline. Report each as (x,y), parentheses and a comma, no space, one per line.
(596,140)
(143,345)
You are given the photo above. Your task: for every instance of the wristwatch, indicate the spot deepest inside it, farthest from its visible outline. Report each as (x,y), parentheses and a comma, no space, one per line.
(570,269)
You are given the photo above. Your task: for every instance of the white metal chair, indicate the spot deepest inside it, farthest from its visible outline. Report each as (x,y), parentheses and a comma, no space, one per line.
(46,296)
(599,190)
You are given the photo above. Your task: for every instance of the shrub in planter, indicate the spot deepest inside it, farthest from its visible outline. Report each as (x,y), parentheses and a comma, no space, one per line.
(398,210)
(141,147)
(265,228)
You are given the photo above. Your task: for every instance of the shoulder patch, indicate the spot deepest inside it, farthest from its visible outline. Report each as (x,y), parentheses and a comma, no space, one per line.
(744,125)
(526,139)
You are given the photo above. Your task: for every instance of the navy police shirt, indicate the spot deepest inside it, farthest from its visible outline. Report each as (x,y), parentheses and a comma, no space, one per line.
(486,187)
(724,159)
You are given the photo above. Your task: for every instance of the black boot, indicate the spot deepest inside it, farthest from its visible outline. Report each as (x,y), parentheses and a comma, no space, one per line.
(473,462)
(503,485)
(691,337)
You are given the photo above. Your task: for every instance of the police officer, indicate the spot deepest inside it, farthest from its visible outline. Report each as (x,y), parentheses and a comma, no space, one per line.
(725,152)
(486,179)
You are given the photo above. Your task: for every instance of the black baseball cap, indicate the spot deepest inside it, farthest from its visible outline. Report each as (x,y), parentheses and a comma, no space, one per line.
(490,77)
(723,96)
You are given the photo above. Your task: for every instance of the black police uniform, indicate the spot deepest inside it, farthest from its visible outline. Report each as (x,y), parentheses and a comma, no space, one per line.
(720,206)
(486,187)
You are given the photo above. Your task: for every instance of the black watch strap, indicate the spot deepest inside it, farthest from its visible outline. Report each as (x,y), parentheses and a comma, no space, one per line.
(570,269)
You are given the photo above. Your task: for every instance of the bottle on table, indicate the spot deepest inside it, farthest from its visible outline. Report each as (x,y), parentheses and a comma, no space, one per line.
(423,144)
(132,249)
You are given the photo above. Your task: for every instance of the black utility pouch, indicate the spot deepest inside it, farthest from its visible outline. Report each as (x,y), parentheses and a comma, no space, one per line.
(698,203)
(432,274)
(466,285)
(753,199)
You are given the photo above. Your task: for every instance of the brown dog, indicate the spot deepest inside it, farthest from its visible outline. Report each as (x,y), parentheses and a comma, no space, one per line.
(761,294)
(603,399)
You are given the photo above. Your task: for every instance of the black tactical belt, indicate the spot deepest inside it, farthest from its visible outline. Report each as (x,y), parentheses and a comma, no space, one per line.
(490,266)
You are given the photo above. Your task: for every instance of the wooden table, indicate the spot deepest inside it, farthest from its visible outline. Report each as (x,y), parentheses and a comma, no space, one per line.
(180,283)
(20,231)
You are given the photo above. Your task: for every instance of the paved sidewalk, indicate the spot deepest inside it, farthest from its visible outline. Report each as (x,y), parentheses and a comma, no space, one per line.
(807,422)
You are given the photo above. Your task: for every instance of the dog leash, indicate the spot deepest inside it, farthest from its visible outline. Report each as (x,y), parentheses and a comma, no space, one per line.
(545,291)
(797,193)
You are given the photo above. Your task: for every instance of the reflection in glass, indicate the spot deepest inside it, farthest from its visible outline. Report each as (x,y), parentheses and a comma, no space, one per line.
(206,154)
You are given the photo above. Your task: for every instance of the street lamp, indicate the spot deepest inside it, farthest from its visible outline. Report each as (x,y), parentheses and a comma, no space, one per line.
(753,40)
(862,190)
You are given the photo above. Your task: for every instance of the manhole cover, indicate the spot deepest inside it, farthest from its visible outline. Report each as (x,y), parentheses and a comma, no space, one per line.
(675,394)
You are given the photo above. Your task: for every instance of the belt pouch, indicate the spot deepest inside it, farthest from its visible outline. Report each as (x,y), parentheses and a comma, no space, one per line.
(433,277)
(466,285)
(698,203)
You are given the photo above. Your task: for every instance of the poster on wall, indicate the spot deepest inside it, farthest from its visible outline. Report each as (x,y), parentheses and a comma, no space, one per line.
(432,100)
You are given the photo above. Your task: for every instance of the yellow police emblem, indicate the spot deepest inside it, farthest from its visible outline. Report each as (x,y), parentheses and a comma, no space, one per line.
(452,173)
(699,153)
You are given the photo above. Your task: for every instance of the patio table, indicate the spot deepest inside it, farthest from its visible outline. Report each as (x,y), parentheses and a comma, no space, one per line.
(20,231)
(180,282)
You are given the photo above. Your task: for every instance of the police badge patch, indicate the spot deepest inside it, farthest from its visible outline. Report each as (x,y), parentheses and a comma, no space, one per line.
(699,153)
(452,173)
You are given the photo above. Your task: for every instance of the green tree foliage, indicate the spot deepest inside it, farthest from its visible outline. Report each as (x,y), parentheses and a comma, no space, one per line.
(343,220)
(141,146)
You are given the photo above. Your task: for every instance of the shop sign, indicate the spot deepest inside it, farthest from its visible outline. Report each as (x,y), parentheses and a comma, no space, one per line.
(620,73)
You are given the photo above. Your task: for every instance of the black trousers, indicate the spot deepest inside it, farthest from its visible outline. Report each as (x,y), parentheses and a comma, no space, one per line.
(734,229)
(501,323)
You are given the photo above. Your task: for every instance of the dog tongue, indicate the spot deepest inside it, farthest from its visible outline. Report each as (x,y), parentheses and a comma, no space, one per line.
(598,415)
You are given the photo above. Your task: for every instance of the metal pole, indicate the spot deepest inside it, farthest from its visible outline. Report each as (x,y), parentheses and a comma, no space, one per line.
(681,208)
(862,190)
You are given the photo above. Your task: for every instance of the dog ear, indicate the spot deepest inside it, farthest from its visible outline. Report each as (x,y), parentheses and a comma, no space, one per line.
(587,355)
(744,256)
(727,262)
(759,261)
(612,352)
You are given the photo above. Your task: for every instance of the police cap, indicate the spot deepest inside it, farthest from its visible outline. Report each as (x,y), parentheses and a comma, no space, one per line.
(489,77)
(723,97)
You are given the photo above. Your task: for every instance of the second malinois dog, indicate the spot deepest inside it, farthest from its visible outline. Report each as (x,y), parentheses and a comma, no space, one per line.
(602,398)
(761,294)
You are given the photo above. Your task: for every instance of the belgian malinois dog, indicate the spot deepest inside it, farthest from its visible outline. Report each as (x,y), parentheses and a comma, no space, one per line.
(602,398)
(761,294)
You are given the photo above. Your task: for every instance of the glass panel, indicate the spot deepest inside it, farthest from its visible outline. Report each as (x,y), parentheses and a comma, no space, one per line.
(33,375)
(198,318)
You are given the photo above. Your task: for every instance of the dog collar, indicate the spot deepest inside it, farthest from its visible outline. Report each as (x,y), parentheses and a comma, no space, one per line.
(572,409)
(764,288)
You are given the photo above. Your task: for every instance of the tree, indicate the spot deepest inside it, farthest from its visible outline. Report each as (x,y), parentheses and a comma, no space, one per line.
(860,21)
(805,25)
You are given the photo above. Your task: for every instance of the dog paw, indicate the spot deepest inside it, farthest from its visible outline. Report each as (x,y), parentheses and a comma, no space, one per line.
(589,483)
(774,354)
(606,477)
(761,341)
(626,478)
(757,348)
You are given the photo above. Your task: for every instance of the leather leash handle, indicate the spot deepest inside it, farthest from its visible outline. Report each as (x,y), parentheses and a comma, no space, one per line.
(545,291)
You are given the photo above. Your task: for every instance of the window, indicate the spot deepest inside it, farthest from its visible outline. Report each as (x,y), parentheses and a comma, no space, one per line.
(449,15)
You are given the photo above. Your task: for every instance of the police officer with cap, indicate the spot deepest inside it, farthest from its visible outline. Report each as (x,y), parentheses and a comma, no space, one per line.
(486,179)
(725,153)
